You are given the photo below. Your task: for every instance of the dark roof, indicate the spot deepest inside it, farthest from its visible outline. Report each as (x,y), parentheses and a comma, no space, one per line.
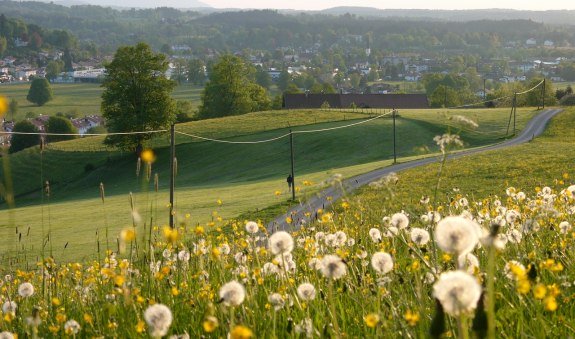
(398,101)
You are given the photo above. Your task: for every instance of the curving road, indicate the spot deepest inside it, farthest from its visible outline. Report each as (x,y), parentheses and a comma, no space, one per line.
(534,128)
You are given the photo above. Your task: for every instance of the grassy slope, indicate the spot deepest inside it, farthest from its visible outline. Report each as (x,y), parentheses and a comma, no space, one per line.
(245,177)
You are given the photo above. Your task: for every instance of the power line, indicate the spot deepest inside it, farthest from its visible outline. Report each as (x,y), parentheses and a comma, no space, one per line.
(87,134)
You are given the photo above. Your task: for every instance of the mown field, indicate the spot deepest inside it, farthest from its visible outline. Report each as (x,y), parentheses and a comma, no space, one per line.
(492,256)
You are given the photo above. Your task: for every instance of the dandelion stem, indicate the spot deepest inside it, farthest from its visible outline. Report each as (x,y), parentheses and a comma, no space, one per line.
(332,298)
(491,293)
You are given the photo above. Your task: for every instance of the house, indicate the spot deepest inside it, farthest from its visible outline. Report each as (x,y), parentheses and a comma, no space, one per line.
(84,124)
(274,74)
(25,73)
(548,43)
(531,42)
(405,101)
(40,122)
(89,75)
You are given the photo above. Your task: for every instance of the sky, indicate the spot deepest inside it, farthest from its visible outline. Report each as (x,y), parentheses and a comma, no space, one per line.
(403,4)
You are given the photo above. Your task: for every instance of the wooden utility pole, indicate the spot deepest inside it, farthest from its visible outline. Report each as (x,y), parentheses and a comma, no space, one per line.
(394,148)
(543,93)
(292,166)
(172,171)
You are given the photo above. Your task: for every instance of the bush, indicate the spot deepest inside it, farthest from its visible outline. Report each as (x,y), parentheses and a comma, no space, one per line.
(568,100)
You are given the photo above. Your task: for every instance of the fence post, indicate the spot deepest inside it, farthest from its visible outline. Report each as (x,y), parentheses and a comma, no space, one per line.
(394,148)
(292,165)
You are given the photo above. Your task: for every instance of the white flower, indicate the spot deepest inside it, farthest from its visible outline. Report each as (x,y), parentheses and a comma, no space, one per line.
(159,318)
(277,301)
(225,249)
(399,220)
(315,264)
(564,227)
(468,262)
(375,235)
(184,256)
(25,289)
(306,291)
(457,291)
(333,267)
(464,121)
(419,236)
(232,293)
(252,227)
(446,140)
(319,236)
(514,236)
(72,327)
(6,335)
(281,242)
(391,232)
(529,226)
(305,327)
(456,235)
(340,238)
(9,307)
(520,196)
(240,258)
(382,262)
(463,202)
(270,268)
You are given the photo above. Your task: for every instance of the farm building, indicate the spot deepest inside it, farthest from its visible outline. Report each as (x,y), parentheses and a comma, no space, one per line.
(391,101)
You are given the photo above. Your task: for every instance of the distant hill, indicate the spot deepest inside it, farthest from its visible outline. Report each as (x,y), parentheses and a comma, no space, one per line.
(182,4)
(559,17)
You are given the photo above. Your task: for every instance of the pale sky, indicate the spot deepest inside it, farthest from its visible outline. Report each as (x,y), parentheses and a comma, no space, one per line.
(403,4)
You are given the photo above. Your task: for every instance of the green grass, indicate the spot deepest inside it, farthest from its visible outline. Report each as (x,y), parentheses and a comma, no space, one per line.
(82,99)
(245,177)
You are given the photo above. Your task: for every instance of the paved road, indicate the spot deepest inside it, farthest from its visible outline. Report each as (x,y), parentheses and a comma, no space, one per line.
(534,127)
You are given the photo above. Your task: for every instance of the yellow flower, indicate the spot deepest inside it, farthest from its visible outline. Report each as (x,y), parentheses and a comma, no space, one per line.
(148,156)
(119,280)
(88,319)
(412,318)
(199,230)
(210,324)
(550,303)
(175,291)
(523,286)
(539,291)
(371,320)
(3,105)
(56,301)
(553,290)
(8,317)
(446,257)
(170,234)
(128,235)
(140,326)
(289,220)
(54,329)
(241,332)
(278,193)
(60,318)
(220,202)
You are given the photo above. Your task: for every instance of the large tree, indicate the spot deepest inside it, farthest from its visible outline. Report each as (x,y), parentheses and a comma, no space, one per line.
(60,125)
(40,92)
(22,141)
(232,90)
(137,95)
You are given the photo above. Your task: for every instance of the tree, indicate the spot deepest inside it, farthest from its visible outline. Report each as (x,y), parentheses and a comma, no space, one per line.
(13,108)
(137,95)
(231,90)
(3,45)
(54,68)
(22,141)
(40,92)
(263,78)
(196,72)
(60,125)
(534,98)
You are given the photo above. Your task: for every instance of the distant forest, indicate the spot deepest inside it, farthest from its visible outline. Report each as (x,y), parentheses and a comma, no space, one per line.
(101,30)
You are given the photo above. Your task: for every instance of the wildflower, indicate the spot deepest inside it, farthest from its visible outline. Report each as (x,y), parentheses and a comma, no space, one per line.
(232,293)
(148,156)
(71,327)
(550,303)
(171,235)
(305,327)
(210,324)
(3,105)
(306,291)
(277,301)
(514,236)
(399,220)
(184,256)
(464,121)
(159,318)
(25,289)
(511,216)
(6,334)
(371,320)
(281,242)
(539,291)
(252,227)
(447,140)
(412,318)
(456,235)
(457,291)
(340,238)
(333,267)
(375,235)
(128,235)
(564,227)
(469,262)
(382,262)
(419,236)
(241,332)
(9,307)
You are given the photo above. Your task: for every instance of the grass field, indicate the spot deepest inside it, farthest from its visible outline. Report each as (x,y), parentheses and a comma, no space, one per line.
(81,99)
(244,177)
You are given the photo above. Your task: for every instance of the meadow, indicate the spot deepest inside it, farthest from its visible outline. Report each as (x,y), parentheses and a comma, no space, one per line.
(244,178)
(490,255)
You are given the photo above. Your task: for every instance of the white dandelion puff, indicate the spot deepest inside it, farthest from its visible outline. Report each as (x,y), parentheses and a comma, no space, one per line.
(399,220)
(306,291)
(468,262)
(456,235)
(159,318)
(382,262)
(457,291)
(7,335)
(514,236)
(281,242)
(252,227)
(277,301)
(333,267)
(375,235)
(9,307)
(419,236)
(564,227)
(232,293)
(25,289)
(72,327)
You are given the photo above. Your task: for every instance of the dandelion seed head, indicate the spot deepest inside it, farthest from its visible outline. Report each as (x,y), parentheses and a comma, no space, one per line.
(468,262)
(9,307)
(25,290)
(306,291)
(382,262)
(419,236)
(159,318)
(456,235)
(72,327)
(333,267)
(7,335)
(457,291)
(375,235)
(232,293)
(399,220)
(564,227)
(281,242)
(277,301)
(252,227)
